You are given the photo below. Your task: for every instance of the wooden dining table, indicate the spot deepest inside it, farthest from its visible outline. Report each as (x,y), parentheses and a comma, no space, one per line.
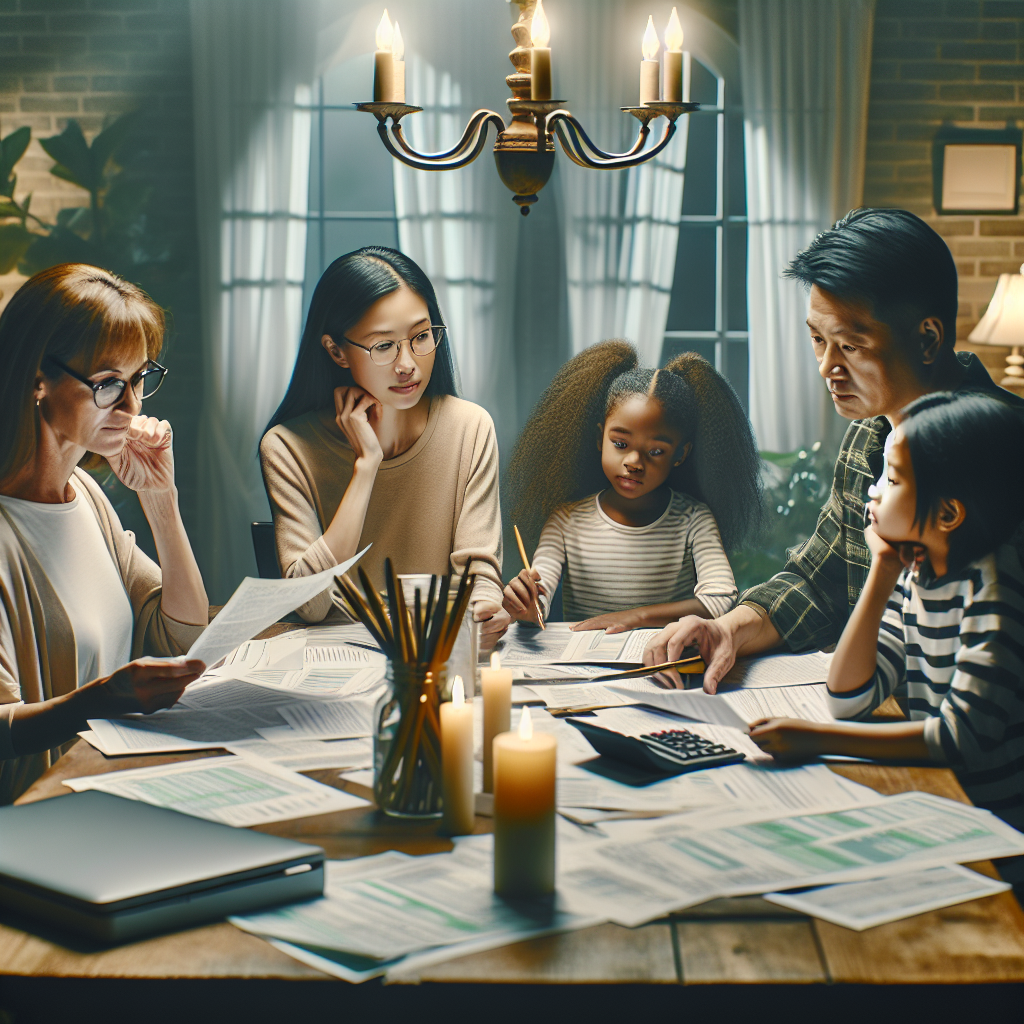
(728,956)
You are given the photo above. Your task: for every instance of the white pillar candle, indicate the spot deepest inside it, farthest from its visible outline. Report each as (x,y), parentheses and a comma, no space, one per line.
(496,686)
(524,812)
(673,89)
(649,67)
(457,763)
(383,63)
(540,55)
(398,67)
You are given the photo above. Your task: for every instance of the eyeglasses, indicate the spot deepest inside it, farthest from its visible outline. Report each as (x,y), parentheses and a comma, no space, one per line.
(384,353)
(109,392)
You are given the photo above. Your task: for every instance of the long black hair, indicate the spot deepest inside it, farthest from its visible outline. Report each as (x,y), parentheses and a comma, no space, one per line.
(345,291)
(557,459)
(964,446)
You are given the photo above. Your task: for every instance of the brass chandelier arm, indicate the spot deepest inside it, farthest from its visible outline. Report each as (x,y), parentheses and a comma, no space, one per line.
(575,144)
(475,129)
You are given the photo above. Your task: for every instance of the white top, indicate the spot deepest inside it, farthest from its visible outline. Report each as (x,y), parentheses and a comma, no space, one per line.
(610,567)
(68,542)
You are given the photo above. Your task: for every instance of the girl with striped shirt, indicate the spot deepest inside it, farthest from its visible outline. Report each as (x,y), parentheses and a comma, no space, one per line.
(633,479)
(942,611)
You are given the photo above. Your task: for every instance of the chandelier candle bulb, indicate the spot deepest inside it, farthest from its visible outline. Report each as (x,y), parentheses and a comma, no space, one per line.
(384,62)
(649,67)
(496,686)
(540,55)
(524,812)
(398,66)
(673,90)
(457,763)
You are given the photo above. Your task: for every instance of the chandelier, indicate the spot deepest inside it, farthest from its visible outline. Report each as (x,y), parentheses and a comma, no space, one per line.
(524,150)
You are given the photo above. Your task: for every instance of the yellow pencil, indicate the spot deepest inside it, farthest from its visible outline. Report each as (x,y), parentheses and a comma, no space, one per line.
(529,568)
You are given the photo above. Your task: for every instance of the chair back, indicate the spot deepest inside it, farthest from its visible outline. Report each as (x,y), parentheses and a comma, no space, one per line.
(266,551)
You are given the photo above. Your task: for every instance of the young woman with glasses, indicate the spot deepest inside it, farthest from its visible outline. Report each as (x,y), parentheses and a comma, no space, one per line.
(80,603)
(372,443)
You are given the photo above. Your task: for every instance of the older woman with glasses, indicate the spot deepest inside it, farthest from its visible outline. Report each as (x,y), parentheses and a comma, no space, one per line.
(372,443)
(78,599)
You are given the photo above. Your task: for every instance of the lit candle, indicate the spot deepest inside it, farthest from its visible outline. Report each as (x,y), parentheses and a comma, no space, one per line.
(524,812)
(457,763)
(384,63)
(496,686)
(540,55)
(649,66)
(673,60)
(398,65)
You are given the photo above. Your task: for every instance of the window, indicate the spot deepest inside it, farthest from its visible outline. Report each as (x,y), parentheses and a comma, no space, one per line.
(351,183)
(708,311)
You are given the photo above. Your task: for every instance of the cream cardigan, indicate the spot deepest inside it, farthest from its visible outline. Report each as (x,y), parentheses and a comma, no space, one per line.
(38,657)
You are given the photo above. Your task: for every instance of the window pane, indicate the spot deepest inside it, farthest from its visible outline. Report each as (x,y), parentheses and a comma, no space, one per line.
(694,287)
(736,280)
(342,236)
(701,182)
(357,168)
(703,84)
(677,346)
(350,82)
(736,177)
(737,370)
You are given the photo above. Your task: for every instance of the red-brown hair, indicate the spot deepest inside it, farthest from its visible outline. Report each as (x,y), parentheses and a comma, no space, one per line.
(78,314)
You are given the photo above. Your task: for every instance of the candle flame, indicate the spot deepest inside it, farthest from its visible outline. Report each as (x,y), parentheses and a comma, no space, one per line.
(458,692)
(674,33)
(650,46)
(495,660)
(398,43)
(384,32)
(540,31)
(525,725)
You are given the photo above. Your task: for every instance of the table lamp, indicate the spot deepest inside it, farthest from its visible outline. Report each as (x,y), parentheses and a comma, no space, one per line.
(1003,324)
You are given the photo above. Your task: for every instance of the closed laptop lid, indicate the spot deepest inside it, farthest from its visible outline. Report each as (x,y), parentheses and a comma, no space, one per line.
(103,849)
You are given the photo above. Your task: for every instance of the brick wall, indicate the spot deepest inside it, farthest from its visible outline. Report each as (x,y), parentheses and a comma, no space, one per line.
(91,60)
(958,62)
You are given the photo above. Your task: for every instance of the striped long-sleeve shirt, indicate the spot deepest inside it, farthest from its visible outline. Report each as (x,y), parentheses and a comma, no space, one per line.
(958,644)
(610,567)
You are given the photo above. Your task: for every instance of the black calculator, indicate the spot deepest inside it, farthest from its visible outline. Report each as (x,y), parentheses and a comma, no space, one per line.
(670,751)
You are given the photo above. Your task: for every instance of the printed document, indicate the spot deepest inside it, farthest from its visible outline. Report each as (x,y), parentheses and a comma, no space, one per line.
(779,670)
(861,905)
(257,604)
(308,755)
(523,645)
(236,791)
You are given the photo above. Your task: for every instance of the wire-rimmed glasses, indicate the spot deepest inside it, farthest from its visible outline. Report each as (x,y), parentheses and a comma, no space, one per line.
(384,353)
(109,392)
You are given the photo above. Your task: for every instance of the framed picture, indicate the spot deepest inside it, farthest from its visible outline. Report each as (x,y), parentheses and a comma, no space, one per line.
(976,171)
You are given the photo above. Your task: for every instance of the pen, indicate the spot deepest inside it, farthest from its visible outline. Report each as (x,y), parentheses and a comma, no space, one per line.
(529,568)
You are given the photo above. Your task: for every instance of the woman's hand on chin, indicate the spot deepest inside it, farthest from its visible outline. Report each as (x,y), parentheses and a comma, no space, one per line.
(146,462)
(356,413)
(493,619)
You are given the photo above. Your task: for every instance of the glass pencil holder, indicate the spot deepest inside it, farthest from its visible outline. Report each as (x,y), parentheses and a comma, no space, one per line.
(407,741)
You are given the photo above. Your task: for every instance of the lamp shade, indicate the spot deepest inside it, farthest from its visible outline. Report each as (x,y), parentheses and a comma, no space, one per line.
(1003,322)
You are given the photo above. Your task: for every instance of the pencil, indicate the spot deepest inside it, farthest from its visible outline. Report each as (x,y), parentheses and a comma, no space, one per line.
(529,568)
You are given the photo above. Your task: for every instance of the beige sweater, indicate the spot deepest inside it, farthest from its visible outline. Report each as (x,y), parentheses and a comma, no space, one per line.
(432,508)
(38,656)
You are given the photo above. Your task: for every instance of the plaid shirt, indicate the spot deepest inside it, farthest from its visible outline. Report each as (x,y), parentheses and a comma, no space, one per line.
(811,599)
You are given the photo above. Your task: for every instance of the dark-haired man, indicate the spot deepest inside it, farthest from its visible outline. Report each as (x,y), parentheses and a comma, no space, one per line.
(882,320)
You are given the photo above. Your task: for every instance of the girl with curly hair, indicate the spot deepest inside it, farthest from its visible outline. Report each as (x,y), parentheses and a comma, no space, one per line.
(636,481)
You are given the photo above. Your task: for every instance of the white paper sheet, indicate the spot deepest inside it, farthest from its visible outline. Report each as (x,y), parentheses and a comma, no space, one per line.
(238,791)
(577,695)
(323,720)
(779,670)
(525,646)
(308,755)
(808,702)
(693,704)
(861,905)
(257,604)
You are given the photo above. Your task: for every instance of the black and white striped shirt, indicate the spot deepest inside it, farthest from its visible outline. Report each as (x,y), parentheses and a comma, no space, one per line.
(610,567)
(958,645)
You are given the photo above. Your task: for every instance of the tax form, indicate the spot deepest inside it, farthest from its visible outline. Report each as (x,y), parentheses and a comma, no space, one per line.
(238,791)
(779,670)
(523,645)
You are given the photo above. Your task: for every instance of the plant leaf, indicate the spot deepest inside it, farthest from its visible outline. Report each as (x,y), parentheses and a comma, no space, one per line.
(74,159)
(15,240)
(110,140)
(12,149)
(60,246)
(10,210)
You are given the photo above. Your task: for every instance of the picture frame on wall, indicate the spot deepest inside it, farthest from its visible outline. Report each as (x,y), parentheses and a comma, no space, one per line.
(976,171)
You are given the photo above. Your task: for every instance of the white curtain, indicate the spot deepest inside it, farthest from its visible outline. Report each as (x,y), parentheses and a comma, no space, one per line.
(461,226)
(253,68)
(805,67)
(621,227)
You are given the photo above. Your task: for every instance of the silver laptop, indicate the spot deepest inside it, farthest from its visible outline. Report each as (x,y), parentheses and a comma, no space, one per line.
(116,869)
